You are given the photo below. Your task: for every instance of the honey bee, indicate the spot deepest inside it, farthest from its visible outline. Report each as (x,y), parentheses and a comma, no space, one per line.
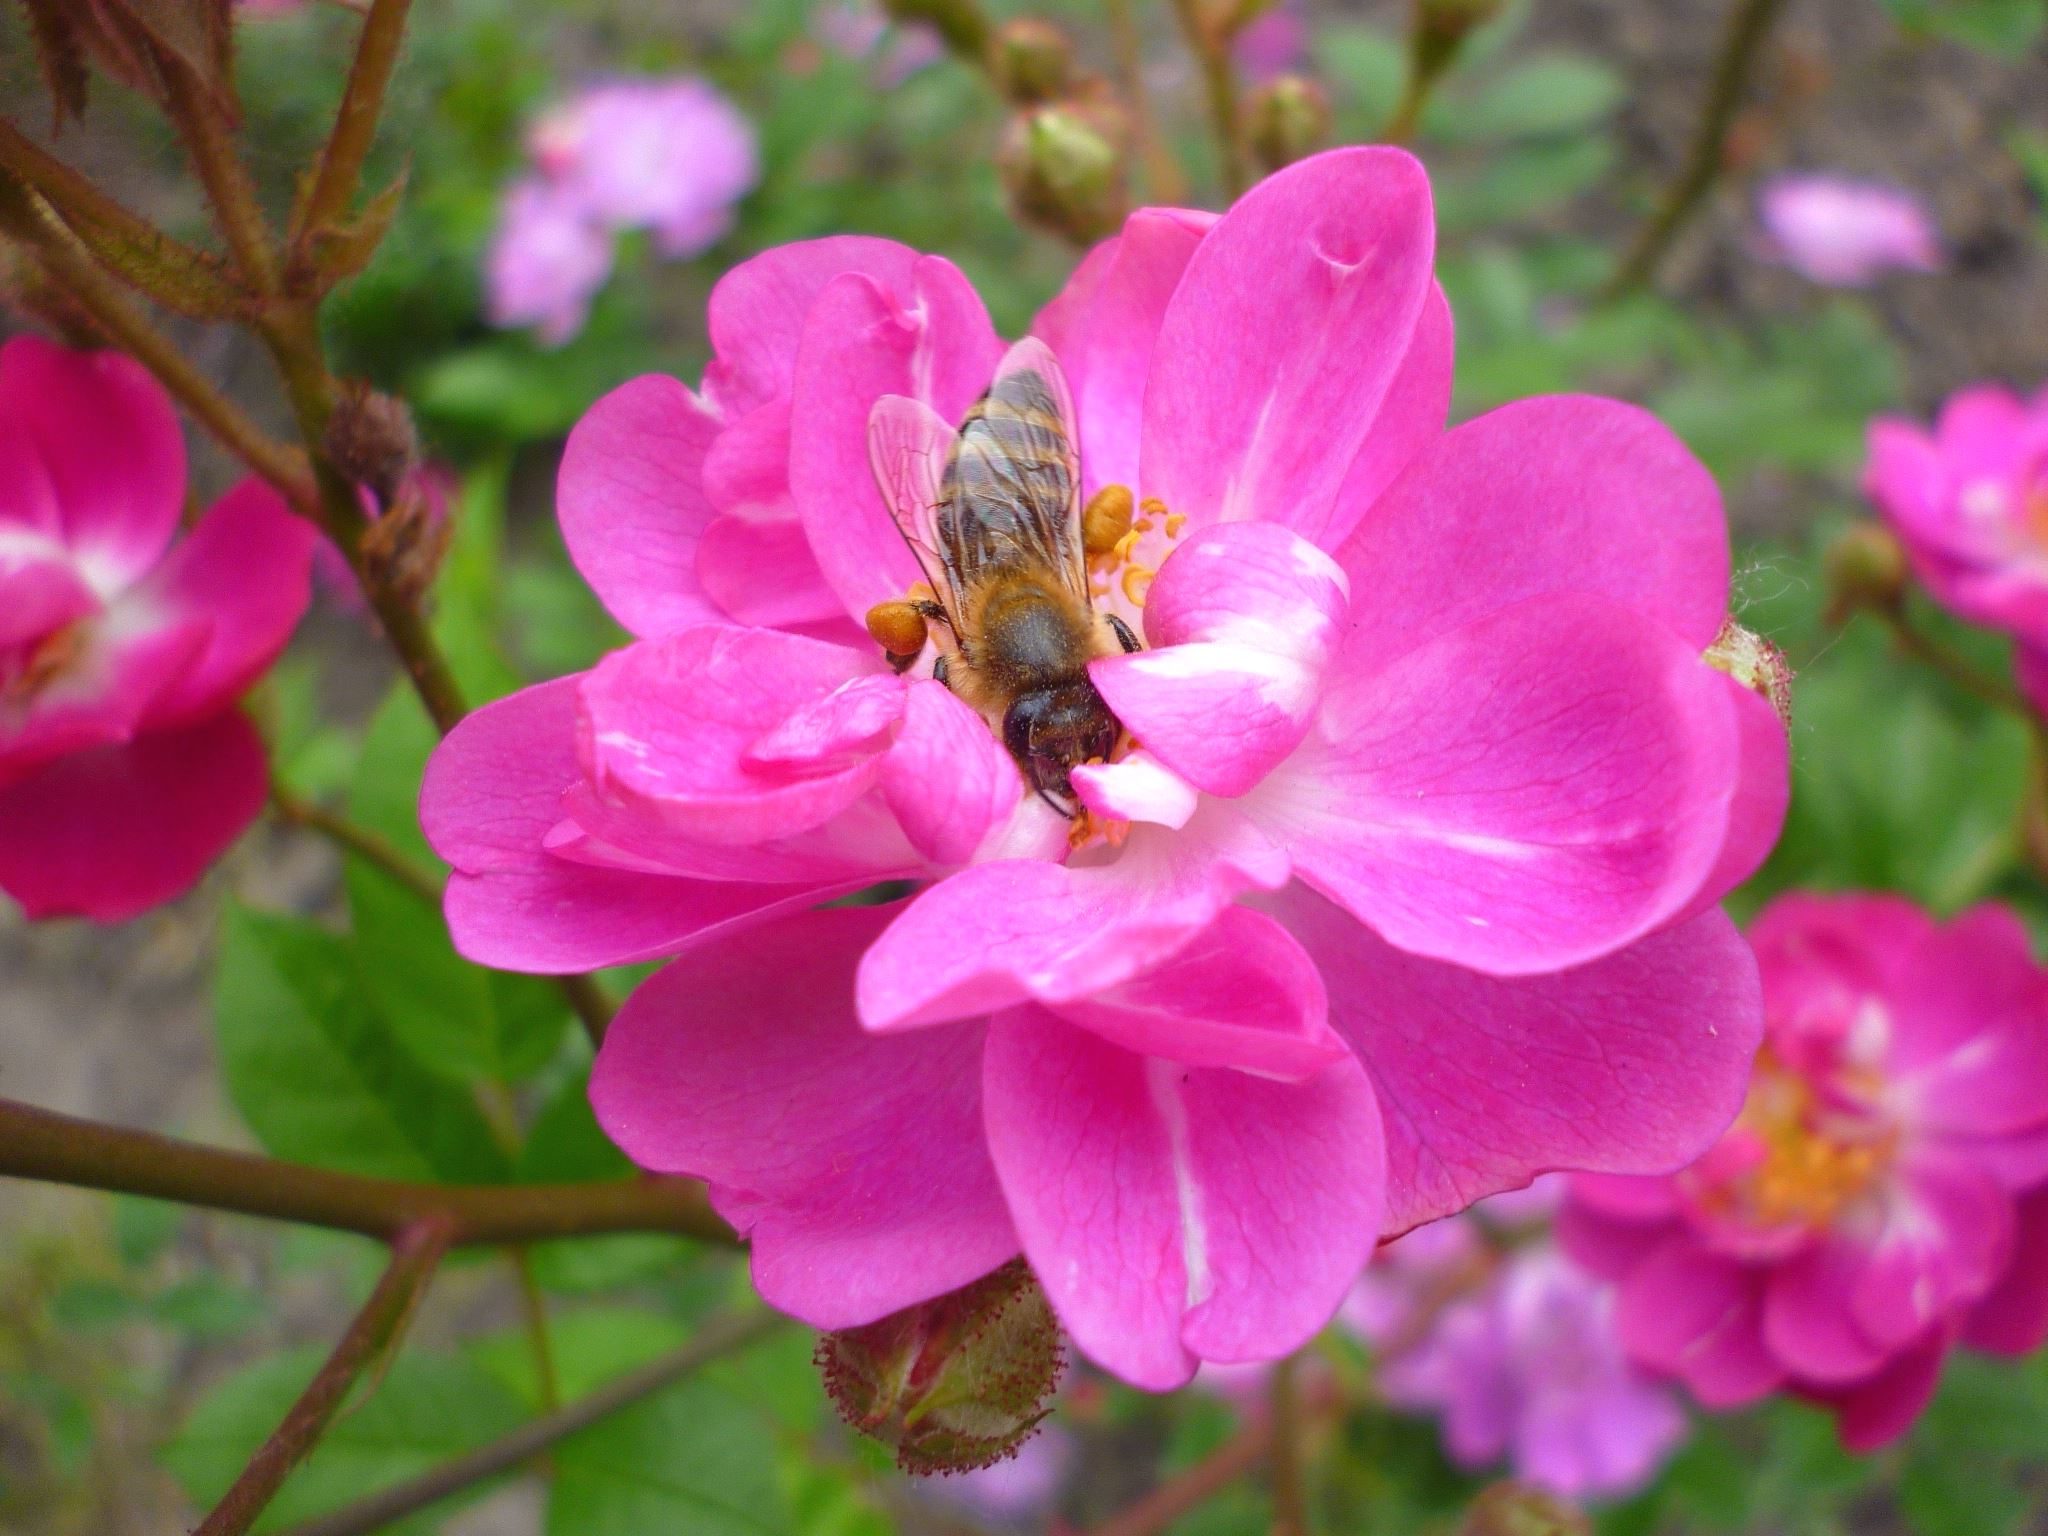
(993,514)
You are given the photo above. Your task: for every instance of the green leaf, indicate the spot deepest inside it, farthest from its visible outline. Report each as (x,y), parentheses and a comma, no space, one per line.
(316,1072)
(456,1019)
(466,617)
(1544,95)
(2007,28)
(591,1347)
(144,1228)
(693,1458)
(208,1307)
(1520,181)
(425,1410)
(1365,66)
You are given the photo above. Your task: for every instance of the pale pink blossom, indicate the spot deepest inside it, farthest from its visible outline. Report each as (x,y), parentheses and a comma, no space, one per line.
(670,155)
(1274,43)
(125,768)
(1408,898)
(546,262)
(1846,233)
(1969,500)
(1880,1198)
(860,29)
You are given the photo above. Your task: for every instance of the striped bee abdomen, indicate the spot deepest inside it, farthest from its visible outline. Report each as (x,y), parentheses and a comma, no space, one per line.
(1008,486)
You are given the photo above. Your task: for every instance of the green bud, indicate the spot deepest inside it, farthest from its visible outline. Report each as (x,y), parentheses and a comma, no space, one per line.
(1756,664)
(1288,118)
(1064,167)
(1511,1509)
(1031,60)
(955,1383)
(1865,567)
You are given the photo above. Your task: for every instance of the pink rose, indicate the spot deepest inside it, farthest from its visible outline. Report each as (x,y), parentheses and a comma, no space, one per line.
(125,768)
(1407,898)
(1880,1197)
(1847,233)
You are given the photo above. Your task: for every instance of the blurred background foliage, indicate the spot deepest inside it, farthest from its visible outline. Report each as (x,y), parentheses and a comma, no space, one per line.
(145,1351)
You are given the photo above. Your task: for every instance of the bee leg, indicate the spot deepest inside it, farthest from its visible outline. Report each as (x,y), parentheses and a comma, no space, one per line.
(899,664)
(942,673)
(1124,636)
(1068,811)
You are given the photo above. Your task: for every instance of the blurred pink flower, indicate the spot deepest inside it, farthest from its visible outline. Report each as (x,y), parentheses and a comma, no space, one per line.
(670,155)
(125,768)
(1517,1351)
(1969,500)
(860,29)
(546,262)
(1020,1488)
(1847,233)
(1867,1210)
(1434,702)
(1275,43)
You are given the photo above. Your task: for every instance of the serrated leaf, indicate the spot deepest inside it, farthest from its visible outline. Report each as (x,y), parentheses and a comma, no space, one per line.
(318,1075)
(58,29)
(426,1409)
(339,253)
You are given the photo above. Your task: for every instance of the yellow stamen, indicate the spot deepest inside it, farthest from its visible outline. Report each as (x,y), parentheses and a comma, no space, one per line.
(1137,581)
(1175,521)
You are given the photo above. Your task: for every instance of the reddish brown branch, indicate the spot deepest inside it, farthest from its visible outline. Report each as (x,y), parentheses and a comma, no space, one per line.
(415,1254)
(1175,1497)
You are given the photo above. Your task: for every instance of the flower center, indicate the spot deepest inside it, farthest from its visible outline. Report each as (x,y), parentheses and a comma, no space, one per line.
(27,669)
(1802,1152)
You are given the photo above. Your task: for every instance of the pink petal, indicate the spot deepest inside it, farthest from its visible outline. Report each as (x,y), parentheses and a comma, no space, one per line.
(1566,494)
(682,731)
(1283,337)
(1970,1026)
(41,590)
(1417,405)
(492,794)
(109,441)
(1243,618)
(1104,325)
(1532,791)
(949,782)
(1947,1238)
(1604,1245)
(1756,814)
(1175,1213)
(632,505)
(247,571)
(1806,1315)
(1242,994)
(856,1167)
(1872,1414)
(928,339)
(998,934)
(757,310)
(1698,1316)
(1136,788)
(127,658)
(111,832)
(2013,1319)
(1633,1064)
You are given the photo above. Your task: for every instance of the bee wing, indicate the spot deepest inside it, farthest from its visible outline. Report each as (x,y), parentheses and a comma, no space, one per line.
(909,444)
(1017,470)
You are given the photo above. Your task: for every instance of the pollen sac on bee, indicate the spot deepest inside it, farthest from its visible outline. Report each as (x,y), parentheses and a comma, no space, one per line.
(955,1383)
(1106,519)
(1755,663)
(897,627)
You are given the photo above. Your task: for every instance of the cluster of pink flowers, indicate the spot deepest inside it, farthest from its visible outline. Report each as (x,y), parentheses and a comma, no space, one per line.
(861,29)
(1846,233)
(1407,897)
(1969,501)
(668,155)
(1884,1194)
(125,768)
(1483,1321)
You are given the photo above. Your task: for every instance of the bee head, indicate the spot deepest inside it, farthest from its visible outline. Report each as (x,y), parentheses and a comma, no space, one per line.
(1050,730)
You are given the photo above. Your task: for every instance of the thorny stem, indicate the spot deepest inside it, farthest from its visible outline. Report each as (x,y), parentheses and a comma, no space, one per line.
(59,1149)
(209,142)
(360,841)
(1290,1502)
(1749,24)
(26,215)
(715,1339)
(535,1306)
(1158,1510)
(1210,42)
(415,1254)
(1163,174)
(1924,648)
(355,123)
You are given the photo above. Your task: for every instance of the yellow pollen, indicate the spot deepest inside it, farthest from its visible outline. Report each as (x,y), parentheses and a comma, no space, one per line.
(1137,581)
(1142,525)
(1152,506)
(1175,521)
(1814,1161)
(47,660)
